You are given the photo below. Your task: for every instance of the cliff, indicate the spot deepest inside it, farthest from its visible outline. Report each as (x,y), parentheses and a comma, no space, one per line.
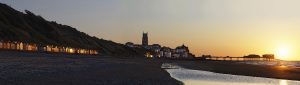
(31,28)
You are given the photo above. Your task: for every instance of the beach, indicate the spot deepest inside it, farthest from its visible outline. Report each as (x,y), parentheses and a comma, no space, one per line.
(241,68)
(234,72)
(22,68)
(25,68)
(200,77)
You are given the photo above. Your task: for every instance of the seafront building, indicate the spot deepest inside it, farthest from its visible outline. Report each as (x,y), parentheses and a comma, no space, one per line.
(182,51)
(158,51)
(166,52)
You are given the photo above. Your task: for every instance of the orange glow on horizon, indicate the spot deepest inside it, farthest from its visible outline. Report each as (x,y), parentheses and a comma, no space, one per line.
(286,51)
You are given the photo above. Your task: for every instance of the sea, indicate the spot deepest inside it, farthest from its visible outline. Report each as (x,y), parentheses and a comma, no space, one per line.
(295,64)
(200,77)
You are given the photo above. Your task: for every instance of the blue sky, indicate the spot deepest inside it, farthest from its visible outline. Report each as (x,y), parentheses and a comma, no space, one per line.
(217,27)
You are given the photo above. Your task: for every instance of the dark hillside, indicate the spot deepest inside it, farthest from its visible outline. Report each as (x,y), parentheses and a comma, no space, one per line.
(31,28)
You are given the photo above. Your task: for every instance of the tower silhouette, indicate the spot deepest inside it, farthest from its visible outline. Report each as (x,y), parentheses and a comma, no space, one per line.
(145,39)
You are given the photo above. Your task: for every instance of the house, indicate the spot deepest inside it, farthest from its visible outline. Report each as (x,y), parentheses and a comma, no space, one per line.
(182,51)
(166,52)
(155,47)
(155,50)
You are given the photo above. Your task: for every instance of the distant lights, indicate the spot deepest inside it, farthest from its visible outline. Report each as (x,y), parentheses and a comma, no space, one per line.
(48,48)
(71,50)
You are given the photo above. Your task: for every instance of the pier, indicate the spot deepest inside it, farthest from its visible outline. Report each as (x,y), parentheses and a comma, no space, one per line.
(251,57)
(238,59)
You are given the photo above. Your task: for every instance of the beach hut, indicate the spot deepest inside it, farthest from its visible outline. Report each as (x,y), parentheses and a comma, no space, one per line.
(20,46)
(1,44)
(13,45)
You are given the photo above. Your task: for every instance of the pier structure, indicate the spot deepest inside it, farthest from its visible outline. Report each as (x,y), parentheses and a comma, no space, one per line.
(238,59)
(251,57)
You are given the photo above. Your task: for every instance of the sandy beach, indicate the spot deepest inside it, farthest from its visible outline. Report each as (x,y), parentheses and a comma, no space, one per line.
(19,68)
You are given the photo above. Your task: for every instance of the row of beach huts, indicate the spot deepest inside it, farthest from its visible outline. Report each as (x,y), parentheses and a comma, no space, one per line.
(33,47)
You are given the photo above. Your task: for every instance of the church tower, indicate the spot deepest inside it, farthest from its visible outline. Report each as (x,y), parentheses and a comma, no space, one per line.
(145,39)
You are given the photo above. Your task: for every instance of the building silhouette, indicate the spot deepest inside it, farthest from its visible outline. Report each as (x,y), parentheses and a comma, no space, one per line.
(158,51)
(145,39)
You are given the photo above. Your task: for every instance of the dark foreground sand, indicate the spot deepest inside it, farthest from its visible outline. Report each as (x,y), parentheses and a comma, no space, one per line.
(19,68)
(59,69)
(239,68)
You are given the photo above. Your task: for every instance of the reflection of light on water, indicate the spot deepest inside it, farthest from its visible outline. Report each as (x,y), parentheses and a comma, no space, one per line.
(283,66)
(198,77)
(207,82)
(283,82)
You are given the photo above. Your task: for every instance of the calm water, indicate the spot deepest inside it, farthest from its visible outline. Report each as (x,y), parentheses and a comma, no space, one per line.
(295,64)
(198,77)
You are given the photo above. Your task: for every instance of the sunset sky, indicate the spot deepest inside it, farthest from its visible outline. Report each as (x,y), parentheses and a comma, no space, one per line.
(215,27)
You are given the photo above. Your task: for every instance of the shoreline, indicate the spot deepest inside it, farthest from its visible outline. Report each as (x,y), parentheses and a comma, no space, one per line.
(197,77)
(237,68)
(21,68)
